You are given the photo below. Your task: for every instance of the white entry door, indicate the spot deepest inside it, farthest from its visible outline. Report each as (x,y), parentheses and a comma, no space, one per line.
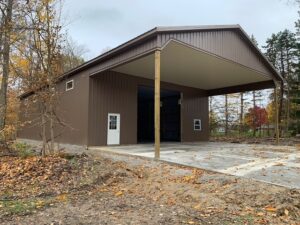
(113,129)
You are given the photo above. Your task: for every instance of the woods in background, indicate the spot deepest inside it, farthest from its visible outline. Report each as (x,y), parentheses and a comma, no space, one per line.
(34,51)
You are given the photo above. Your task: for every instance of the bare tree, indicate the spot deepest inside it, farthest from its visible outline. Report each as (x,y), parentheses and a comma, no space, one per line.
(72,54)
(226,115)
(41,50)
(241,113)
(5,39)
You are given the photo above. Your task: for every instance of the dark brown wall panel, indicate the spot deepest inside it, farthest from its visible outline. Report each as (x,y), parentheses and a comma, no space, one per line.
(112,92)
(30,119)
(84,110)
(72,110)
(194,107)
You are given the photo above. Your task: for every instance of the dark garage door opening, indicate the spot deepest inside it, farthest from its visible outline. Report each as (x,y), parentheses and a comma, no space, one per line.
(169,115)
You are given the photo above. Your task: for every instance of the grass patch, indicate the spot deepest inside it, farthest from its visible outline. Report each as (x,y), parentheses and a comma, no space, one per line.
(23,150)
(246,219)
(23,207)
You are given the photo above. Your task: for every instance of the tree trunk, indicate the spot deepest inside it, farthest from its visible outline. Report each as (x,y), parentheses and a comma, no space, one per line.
(51,129)
(280,108)
(226,115)
(254,119)
(6,57)
(241,113)
(287,122)
(44,137)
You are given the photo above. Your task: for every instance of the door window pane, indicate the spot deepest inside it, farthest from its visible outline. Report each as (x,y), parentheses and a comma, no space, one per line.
(112,122)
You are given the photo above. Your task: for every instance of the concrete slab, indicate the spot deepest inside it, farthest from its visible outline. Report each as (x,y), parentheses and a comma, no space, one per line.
(278,165)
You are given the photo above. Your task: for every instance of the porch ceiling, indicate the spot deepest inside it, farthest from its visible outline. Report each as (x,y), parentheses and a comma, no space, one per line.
(187,66)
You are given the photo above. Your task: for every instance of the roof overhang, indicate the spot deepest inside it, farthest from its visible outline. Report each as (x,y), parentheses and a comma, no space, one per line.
(185,65)
(201,64)
(158,30)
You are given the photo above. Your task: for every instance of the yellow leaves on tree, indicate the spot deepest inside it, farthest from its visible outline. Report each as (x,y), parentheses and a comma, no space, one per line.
(9,131)
(271,112)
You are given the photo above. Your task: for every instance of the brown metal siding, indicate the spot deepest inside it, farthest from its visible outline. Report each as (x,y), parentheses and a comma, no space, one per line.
(72,110)
(130,54)
(112,92)
(194,107)
(225,43)
(30,120)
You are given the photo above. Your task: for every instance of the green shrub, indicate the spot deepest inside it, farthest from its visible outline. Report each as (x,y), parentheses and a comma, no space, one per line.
(23,150)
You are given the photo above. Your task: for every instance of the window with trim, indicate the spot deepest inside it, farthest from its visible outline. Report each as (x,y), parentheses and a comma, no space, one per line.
(197,124)
(69,85)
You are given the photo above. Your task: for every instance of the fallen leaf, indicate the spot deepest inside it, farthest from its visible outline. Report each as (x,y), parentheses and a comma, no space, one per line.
(270,209)
(62,197)
(40,204)
(197,206)
(119,193)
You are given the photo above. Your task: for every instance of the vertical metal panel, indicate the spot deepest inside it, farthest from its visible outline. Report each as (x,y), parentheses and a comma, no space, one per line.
(72,110)
(134,51)
(113,92)
(225,43)
(85,108)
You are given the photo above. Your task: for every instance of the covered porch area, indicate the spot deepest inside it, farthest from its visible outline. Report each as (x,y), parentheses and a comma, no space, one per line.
(267,163)
(183,64)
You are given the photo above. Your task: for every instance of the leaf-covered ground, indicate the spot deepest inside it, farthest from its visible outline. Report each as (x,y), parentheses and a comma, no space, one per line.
(115,189)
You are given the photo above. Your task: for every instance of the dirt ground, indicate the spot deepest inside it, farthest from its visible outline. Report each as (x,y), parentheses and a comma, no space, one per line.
(117,189)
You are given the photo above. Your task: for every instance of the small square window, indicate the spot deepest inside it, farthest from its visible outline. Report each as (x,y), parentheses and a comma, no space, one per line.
(197,124)
(69,85)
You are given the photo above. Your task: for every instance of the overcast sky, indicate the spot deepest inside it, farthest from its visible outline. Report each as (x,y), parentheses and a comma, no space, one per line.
(100,24)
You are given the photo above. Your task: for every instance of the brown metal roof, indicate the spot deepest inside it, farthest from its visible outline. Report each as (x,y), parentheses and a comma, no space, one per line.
(166,29)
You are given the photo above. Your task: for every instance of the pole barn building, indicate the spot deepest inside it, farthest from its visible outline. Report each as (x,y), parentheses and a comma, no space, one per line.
(155,87)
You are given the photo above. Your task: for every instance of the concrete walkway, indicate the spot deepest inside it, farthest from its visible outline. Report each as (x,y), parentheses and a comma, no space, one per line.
(272,164)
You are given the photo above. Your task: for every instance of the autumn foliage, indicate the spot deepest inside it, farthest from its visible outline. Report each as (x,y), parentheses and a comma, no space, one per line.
(256,117)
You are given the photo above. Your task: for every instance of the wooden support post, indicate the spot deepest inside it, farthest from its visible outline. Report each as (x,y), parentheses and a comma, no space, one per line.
(276,113)
(157,104)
